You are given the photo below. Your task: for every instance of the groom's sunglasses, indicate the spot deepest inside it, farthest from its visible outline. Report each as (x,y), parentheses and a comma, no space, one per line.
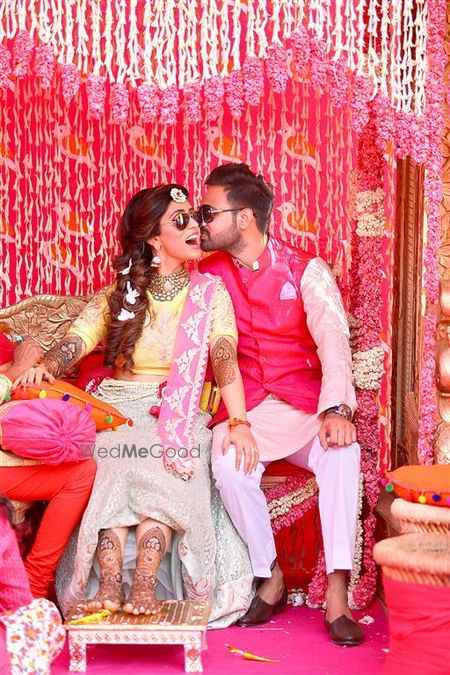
(206,213)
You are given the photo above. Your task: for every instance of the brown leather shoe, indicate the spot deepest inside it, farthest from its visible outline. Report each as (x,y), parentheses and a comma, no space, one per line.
(345,632)
(260,611)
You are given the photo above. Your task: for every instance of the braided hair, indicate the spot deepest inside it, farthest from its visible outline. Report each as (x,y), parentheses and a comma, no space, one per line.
(140,222)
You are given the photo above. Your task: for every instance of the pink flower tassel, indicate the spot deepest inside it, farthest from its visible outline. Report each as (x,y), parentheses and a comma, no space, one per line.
(96,94)
(277,68)
(149,100)
(44,65)
(253,75)
(70,81)
(301,49)
(120,102)
(170,105)
(214,90)
(5,67)
(193,102)
(22,51)
(234,88)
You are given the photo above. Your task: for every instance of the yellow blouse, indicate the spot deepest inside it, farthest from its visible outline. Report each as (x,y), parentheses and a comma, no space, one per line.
(153,352)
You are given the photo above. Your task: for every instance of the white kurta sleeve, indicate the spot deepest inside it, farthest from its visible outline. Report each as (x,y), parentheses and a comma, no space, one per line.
(327,323)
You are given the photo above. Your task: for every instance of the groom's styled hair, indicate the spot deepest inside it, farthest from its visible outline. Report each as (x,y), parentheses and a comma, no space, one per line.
(245,189)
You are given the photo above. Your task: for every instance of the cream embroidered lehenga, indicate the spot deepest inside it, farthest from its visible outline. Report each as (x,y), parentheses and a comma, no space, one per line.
(207,558)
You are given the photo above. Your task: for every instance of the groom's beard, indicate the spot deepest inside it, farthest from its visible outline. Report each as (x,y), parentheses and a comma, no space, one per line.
(229,240)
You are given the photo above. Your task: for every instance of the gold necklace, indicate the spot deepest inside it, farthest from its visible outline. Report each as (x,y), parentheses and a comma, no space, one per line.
(165,287)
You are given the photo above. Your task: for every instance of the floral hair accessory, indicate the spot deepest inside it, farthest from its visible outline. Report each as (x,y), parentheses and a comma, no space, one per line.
(178,195)
(131,294)
(125,315)
(127,269)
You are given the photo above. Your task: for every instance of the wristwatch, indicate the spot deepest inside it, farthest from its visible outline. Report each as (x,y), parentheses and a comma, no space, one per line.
(343,410)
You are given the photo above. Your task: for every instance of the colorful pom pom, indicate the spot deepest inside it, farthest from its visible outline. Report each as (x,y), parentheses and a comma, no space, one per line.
(109,419)
(389,487)
(422,499)
(42,394)
(384,481)
(66,397)
(130,422)
(436,497)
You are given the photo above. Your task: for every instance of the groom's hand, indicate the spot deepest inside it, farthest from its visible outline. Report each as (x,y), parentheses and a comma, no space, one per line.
(336,431)
(242,438)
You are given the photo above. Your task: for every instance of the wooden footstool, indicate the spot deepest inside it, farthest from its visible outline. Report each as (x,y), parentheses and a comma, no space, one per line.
(179,622)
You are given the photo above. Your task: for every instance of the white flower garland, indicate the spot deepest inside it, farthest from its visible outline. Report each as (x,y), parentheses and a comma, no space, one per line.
(368,368)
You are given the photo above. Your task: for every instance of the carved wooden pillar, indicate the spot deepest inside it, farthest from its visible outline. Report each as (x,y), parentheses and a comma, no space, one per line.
(407,314)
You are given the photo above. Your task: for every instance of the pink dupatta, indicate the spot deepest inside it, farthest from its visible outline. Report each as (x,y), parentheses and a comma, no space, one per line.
(181,398)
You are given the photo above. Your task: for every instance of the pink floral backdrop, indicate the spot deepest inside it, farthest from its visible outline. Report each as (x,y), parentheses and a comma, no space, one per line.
(322,113)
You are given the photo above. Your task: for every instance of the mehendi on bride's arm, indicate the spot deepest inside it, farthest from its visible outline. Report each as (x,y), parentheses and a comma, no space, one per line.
(64,355)
(224,360)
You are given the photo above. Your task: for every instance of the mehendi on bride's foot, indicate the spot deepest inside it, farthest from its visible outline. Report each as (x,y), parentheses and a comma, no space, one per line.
(151,549)
(110,593)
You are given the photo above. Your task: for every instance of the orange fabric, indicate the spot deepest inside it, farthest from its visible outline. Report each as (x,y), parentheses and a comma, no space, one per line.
(419,622)
(418,483)
(67,488)
(99,410)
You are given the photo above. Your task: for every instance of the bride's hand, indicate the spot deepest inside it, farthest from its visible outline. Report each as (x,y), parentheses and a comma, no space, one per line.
(34,375)
(242,438)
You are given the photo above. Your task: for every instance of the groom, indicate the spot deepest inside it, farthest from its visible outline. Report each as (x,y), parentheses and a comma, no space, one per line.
(295,361)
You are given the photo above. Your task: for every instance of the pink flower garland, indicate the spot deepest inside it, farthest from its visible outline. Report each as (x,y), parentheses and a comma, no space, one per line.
(277,68)
(149,100)
(70,78)
(120,102)
(44,65)
(292,484)
(5,67)
(434,114)
(412,137)
(253,75)
(193,102)
(384,119)
(22,51)
(234,93)
(214,90)
(96,94)
(170,105)
(366,305)
(362,89)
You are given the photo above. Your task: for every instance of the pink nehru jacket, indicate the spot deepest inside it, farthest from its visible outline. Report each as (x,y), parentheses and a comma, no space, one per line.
(293,331)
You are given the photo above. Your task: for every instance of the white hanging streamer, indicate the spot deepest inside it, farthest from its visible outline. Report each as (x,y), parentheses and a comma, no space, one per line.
(136,41)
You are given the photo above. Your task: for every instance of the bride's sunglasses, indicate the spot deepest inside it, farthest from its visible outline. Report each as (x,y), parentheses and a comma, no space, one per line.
(182,218)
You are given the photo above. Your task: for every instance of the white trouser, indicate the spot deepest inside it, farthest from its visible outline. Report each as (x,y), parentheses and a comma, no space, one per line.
(337,475)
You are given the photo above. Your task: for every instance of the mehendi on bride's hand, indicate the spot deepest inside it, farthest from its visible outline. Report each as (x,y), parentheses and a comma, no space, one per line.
(65,354)
(224,361)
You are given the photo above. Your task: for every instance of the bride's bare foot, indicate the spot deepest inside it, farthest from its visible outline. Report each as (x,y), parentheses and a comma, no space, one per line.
(142,596)
(151,548)
(110,593)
